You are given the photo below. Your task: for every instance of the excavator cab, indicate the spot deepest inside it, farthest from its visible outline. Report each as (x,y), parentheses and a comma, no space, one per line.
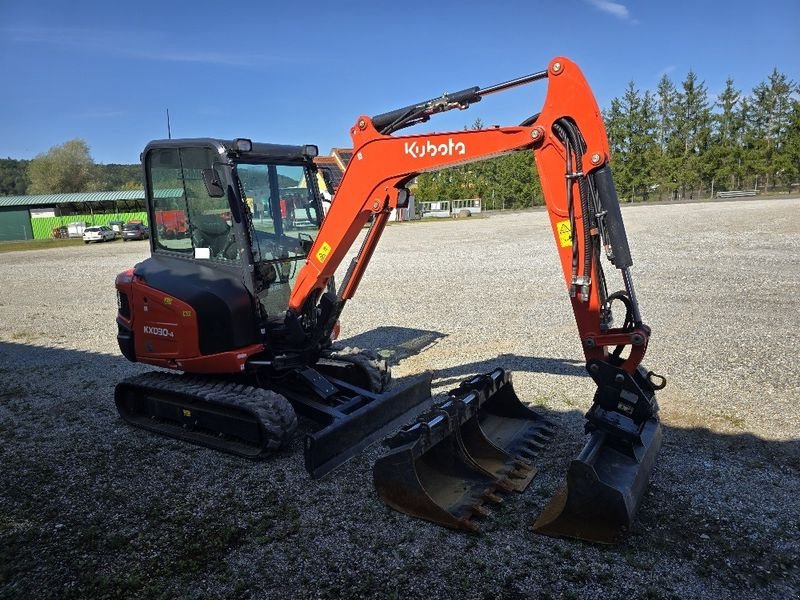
(236,207)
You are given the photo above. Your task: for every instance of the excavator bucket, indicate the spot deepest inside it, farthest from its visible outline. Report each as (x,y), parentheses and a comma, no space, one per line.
(604,487)
(458,457)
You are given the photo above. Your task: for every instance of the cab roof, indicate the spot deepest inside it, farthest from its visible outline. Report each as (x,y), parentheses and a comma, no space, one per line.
(259,151)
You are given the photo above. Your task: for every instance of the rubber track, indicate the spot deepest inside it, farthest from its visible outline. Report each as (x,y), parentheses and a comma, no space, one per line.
(273,411)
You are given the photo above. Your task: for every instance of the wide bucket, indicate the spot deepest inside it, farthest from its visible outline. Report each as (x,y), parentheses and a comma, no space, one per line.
(457,458)
(604,487)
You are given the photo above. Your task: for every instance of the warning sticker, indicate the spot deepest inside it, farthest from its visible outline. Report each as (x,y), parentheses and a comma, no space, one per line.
(564,233)
(323,252)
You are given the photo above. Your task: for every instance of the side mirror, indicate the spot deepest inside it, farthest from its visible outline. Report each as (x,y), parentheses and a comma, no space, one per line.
(213,186)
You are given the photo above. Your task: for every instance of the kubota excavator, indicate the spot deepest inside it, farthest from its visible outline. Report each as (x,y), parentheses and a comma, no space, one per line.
(244,304)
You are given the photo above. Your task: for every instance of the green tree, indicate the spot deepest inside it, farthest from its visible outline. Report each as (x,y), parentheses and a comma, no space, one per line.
(666,97)
(692,132)
(117,177)
(664,165)
(13,177)
(632,127)
(725,156)
(62,169)
(676,139)
(792,148)
(770,128)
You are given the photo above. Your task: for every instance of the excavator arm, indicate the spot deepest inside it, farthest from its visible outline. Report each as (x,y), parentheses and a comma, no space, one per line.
(570,147)
(568,140)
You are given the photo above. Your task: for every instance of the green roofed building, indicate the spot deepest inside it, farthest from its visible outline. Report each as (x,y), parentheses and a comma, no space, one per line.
(60,215)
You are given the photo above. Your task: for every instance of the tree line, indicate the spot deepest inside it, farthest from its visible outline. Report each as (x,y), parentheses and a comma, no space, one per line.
(65,168)
(676,141)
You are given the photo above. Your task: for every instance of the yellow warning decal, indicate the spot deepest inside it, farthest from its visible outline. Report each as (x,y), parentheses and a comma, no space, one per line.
(323,252)
(187,313)
(167,300)
(186,413)
(564,233)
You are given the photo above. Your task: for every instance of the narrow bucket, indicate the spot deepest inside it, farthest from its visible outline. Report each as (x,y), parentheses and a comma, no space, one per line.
(604,487)
(456,459)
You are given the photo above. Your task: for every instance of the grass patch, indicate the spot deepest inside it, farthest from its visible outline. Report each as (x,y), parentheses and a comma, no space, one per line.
(37,245)
(22,336)
(734,420)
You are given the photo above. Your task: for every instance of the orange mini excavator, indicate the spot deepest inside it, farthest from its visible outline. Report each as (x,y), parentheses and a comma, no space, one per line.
(242,302)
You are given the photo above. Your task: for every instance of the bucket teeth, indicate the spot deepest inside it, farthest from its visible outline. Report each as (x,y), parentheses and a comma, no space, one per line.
(468,525)
(463,453)
(493,498)
(520,473)
(505,485)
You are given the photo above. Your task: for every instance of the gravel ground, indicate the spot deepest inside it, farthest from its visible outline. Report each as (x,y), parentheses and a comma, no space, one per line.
(92,508)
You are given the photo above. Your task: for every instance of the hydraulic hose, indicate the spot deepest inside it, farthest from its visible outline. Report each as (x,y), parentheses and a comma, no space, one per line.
(561,133)
(576,141)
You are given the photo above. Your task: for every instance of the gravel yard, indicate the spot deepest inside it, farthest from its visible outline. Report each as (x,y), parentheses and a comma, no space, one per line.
(90,507)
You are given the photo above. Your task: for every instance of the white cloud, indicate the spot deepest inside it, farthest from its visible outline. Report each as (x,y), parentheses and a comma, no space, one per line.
(666,71)
(152,45)
(101,114)
(613,8)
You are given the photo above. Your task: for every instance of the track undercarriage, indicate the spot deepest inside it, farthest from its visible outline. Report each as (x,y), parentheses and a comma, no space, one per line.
(254,414)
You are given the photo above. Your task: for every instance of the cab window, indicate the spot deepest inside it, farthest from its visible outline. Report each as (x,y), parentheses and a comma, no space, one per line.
(186,220)
(284,208)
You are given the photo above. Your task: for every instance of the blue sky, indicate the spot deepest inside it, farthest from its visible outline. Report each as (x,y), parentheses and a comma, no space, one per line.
(302,72)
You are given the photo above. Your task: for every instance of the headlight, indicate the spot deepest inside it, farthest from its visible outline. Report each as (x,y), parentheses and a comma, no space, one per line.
(243,145)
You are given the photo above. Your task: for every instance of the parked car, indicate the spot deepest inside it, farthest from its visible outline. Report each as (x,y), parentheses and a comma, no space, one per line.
(135,231)
(99,233)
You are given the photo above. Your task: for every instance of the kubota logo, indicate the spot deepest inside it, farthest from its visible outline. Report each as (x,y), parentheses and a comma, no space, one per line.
(449,148)
(162,331)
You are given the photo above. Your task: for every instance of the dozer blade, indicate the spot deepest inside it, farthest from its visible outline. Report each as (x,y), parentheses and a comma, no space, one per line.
(604,487)
(456,458)
(363,420)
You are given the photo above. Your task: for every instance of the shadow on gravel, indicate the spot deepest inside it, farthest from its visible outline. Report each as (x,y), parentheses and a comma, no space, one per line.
(511,362)
(398,343)
(395,343)
(92,508)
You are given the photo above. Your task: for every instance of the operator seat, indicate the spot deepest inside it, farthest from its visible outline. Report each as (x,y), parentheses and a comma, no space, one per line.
(214,233)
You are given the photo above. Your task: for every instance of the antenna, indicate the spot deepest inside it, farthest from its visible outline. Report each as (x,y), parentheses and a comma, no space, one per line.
(169,129)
